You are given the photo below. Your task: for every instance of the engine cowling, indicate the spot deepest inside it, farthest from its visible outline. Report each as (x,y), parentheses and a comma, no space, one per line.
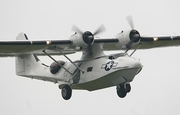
(128,38)
(82,40)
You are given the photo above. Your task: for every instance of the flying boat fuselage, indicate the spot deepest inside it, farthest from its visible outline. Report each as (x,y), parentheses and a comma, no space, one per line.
(102,72)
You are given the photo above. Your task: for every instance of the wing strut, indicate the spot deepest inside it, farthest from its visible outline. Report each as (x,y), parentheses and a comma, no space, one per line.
(135,49)
(57,62)
(69,59)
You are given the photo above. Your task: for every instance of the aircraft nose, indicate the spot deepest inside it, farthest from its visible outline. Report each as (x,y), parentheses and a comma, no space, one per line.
(137,63)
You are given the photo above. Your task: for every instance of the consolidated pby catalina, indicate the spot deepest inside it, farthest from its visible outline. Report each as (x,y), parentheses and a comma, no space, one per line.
(94,70)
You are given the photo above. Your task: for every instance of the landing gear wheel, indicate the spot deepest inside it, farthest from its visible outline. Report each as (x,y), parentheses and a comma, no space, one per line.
(121,91)
(66,92)
(128,88)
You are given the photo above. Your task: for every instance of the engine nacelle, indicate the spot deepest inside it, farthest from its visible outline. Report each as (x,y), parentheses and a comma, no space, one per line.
(127,38)
(82,40)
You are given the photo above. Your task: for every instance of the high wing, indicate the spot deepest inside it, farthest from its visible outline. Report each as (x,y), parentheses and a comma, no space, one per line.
(153,42)
(145,42)
(18,47)
(22,45)
(25,46)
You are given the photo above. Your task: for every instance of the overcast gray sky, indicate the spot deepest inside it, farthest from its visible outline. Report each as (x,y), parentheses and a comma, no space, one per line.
(155,91)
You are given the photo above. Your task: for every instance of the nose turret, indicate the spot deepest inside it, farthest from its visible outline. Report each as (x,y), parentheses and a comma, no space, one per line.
(130,63)
(137,63)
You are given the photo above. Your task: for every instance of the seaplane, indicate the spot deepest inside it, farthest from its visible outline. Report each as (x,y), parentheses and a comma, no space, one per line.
(94,70)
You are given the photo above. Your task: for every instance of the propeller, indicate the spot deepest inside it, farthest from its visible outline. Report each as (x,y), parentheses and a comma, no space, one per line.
(100,29)
(76,29)
(87,36)
(130,21)
(134,34)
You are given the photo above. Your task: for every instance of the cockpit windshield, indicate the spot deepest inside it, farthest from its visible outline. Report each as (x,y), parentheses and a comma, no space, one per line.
(114,56)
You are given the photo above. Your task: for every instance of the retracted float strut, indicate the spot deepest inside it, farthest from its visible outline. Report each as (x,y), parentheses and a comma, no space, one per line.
(69,59)
(57,62)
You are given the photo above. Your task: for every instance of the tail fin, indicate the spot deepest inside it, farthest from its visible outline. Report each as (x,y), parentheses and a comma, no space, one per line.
(21,36)
(29,65)
(25,62)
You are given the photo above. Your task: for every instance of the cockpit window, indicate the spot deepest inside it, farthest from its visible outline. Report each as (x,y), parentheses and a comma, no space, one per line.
(111,57)
(114,56)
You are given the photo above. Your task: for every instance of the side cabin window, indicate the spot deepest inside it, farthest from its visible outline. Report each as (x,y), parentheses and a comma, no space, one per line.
(89,69)
(111,57)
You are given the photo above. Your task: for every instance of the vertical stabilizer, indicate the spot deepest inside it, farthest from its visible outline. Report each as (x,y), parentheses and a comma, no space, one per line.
(21,36)
(29,65)
(25,63)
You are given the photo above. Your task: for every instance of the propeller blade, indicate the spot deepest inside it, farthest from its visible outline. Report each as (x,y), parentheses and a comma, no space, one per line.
(130,21)
(76,29)
(100,30)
